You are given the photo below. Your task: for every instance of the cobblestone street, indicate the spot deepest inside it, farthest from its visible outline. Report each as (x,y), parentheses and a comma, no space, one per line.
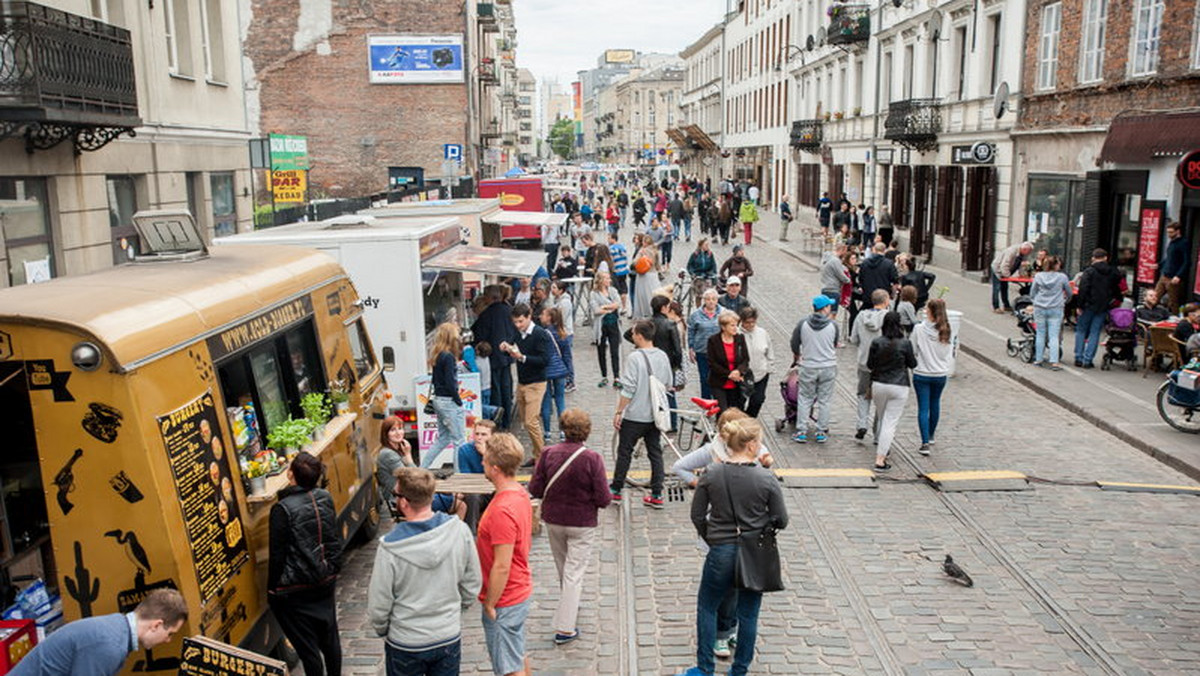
(1068,578)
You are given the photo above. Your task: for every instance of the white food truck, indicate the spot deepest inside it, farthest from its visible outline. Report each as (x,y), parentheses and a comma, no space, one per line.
(411,274)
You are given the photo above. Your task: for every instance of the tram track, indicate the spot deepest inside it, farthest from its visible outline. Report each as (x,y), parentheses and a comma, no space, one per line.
(967,525)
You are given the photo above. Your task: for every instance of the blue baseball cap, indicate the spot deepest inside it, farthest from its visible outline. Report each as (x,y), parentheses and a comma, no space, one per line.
(821,302)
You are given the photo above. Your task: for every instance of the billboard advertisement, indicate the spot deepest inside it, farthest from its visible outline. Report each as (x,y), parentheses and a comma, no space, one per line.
(415,59)
(619,56)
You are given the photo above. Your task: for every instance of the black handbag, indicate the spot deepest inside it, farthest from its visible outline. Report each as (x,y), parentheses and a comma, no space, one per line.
(757,567)
(747,385)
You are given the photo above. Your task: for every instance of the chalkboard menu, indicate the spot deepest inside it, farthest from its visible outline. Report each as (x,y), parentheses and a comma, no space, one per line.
(198,457)
(206,657)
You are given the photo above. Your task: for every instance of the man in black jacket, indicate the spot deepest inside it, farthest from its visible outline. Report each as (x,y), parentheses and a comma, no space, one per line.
(494,326)
(1173,268)
(531,350)
(1099,286)
(305,550)
(878,272)
(666,338)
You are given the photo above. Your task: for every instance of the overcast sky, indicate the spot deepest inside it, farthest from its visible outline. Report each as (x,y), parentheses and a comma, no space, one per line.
(557,38)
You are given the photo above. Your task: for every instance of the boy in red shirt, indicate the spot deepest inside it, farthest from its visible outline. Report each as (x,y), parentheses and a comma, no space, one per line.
(505,531)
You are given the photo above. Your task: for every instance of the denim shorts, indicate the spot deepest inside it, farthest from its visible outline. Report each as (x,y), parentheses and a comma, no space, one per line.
(505,637)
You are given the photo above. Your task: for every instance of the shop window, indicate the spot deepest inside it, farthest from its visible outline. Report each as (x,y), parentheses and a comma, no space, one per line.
(1048,46)
(25,226)
(360,347)
(263,384)
(1054,217)
(1095,26)
(122,205)
(1147,16)
(224,204)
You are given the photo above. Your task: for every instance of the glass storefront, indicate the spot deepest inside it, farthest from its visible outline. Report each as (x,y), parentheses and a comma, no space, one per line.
(1054,217)
(25,227)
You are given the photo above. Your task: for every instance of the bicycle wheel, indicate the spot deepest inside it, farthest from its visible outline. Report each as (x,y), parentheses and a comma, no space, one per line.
(1182,418)
(1013,348)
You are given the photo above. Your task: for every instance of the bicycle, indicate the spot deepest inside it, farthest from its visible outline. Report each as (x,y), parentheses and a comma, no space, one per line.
(1178,406)
(691,425)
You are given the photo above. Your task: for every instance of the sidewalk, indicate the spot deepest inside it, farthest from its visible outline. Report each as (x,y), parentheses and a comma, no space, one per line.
(1119,402)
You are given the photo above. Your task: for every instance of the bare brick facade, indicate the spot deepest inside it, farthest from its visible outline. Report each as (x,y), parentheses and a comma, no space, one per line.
(355,130)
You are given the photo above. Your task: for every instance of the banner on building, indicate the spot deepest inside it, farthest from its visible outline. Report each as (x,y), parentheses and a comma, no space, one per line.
(1148,238)
(289,186)
(415,59)
(288,153)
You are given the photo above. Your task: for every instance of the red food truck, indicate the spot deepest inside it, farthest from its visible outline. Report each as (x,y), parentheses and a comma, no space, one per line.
(516,194)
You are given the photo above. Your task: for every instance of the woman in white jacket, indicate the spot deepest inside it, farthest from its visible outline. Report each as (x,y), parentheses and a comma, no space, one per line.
(761,357)
(931,342)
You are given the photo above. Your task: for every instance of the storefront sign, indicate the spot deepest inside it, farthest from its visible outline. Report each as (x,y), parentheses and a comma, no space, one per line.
(288,153)
(884,155)
(289,185)
(470,393)
(202,656)
(436,242)
(197,454)
(1189,172)
(259,326)
(415,59)
(1148,236)
(978,153)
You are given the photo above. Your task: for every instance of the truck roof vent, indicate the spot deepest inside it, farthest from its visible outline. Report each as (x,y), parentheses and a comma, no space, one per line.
(168,235)
(349,221)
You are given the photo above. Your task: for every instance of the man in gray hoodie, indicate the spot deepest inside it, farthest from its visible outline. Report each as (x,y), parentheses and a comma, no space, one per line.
(868,325)
(833,274)
(814,346)
(426,573)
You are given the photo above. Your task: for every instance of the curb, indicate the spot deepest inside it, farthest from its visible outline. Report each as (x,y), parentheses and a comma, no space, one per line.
(1191,471)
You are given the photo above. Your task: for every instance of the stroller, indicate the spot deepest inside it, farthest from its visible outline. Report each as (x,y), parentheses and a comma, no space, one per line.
(1023,346)
(1121,327)
(789,390)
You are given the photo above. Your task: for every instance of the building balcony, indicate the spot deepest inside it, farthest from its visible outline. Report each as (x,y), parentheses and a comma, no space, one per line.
(64,76)
(487,72)
(849,24)
(808,135)
(914,123)
(509,138)
(486,11)
(490,130)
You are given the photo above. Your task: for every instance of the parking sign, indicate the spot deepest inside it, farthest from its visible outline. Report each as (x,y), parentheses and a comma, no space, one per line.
(452,151)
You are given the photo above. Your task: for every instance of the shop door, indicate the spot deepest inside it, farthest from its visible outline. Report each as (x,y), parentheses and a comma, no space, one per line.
(979,218)
(23,518)
(835,185)
(924,180)
(901,185)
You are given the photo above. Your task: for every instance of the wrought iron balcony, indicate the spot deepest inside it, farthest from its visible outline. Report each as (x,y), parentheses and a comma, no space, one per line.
(807,135)
(914,123)
(64,76)
(487,17)
(849,24)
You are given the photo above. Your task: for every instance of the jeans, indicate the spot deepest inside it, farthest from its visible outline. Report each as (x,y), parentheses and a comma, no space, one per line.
(715,582)
(929,404)
(443,661)
(502,392)
(568,355)
(675,223)
(309,621)
(628,437)
(702,370)
(760,395)
(551,254)
(610,339)
(667,247)
(687,227)
(1049,320)
(999,293)
(555,394)
(816,386)
(451,428)
(1087,335)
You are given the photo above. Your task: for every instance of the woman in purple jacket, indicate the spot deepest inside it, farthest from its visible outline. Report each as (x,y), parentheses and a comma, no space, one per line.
(572,483)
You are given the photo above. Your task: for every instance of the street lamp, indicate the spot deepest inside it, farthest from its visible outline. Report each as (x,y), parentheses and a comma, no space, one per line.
(787,55)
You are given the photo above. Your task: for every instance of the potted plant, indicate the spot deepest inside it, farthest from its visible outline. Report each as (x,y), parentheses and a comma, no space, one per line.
(827,116)
(838,115)
(339,396)
(317,411)
(257,474)
(857,111)
(290,435)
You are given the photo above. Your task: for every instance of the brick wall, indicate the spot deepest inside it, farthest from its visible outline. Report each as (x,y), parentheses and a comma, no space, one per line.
(1176,85)
(355,130)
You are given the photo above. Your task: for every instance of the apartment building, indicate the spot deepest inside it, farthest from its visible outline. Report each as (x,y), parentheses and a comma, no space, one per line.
(527,140)
(699,133)
(647,105)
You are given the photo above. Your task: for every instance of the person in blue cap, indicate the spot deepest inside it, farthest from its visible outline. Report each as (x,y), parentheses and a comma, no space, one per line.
(814,347)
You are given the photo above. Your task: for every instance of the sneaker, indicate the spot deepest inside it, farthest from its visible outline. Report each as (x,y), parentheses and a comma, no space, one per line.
(616,384)
(721,648)
(653,501)
(861,433)
(800,437)
(924,449)
(603,382)
(883,468)
(616,495)
(561,638)
(693,671)
(569,388)
(821,438)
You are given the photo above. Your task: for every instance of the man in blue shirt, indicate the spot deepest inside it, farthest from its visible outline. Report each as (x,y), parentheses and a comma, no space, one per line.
(1172,269)
(98,646)
(470,454)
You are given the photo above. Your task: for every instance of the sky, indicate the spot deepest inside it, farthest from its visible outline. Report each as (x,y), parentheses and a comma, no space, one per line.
(558,38)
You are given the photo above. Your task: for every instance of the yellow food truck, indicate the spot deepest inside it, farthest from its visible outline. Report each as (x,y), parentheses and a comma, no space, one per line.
(135,399)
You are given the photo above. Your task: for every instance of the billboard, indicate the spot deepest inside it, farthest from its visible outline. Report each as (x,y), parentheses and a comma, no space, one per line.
(288,152)
(619,56)
(415,59)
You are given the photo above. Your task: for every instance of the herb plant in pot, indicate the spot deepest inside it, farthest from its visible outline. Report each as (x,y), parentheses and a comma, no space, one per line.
(339,396)
(317,411)
(290,436)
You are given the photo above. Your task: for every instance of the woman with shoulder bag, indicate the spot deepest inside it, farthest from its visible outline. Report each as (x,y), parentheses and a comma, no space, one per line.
(736,501)
(606,322)
(572,483)
(556,367)
(451,416)
(728,363)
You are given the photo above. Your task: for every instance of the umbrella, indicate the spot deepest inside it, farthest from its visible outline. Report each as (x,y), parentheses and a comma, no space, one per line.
(515,171)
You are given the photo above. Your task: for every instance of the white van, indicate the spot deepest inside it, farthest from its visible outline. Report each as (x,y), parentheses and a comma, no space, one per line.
(672,172)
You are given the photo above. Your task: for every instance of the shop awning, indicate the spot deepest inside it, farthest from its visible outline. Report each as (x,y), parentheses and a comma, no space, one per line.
(1137,137)
(697,136)
(488,260)
(678,137)
(523,224)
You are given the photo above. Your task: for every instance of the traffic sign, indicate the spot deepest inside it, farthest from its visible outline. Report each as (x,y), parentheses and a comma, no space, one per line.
(452,151)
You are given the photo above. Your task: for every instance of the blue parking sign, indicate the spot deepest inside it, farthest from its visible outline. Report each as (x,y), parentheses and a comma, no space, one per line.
(452,151)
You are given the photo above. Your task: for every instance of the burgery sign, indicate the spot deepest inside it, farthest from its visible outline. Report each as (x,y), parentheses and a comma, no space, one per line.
(1189,170)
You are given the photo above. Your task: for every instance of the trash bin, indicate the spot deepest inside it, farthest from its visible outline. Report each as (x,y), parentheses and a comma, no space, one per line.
(955,319)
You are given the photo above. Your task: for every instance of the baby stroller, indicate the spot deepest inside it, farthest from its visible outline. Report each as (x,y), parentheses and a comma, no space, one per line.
(1121,327)
(1023,346)
(789,390)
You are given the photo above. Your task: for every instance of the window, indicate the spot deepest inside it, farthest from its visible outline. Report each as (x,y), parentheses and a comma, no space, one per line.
(263,384)
(1091,50)
(213,40)
(994,37)
(1048,46)
(178,33)
(360,347)
(122,205)
(224,205)
(908,72)
(885,81)
(25,226)
(1147,22)
(960,77)
(1196,39)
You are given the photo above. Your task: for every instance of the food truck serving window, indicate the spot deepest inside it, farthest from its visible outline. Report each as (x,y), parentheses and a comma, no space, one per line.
(263,384)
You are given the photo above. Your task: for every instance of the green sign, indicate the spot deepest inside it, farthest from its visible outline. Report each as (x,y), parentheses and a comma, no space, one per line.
(288,153)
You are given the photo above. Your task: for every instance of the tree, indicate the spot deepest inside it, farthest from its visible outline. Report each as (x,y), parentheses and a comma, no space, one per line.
(562,138)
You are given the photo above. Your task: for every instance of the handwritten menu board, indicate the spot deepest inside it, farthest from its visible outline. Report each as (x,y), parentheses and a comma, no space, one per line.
(1148,237)
(205,657)
(197,454)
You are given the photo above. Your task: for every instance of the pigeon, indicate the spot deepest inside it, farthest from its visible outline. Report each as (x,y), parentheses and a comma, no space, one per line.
(953,570)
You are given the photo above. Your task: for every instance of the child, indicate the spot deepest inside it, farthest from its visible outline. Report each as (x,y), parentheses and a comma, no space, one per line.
(907,308)
(567,265)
